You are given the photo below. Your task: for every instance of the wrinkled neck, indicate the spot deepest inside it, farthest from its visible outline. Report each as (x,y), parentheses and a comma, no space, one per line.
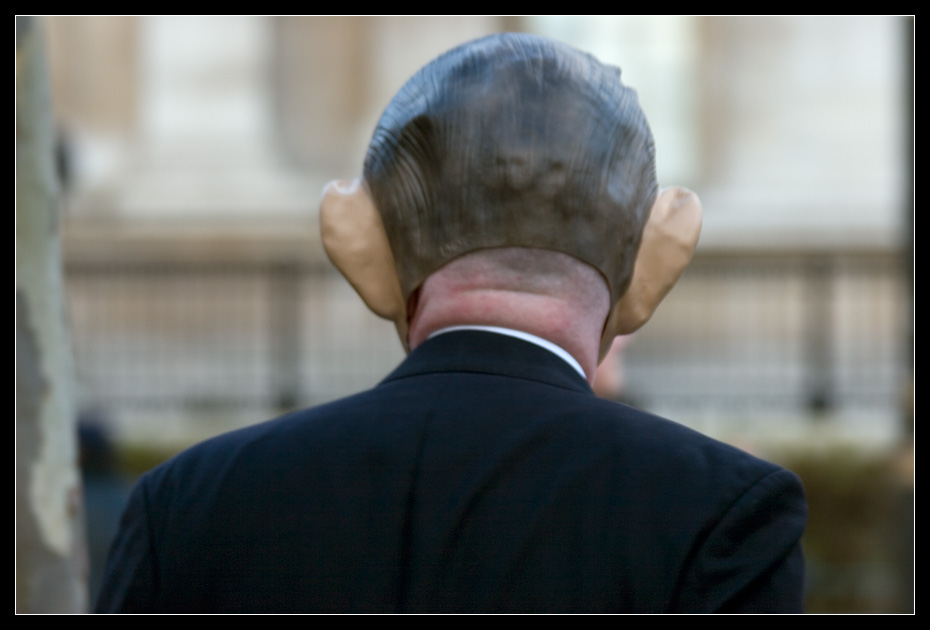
(549,317)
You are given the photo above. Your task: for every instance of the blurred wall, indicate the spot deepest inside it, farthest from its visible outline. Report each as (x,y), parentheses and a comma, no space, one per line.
(196,145)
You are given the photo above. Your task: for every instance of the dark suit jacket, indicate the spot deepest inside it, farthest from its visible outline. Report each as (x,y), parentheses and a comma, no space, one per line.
(482,475)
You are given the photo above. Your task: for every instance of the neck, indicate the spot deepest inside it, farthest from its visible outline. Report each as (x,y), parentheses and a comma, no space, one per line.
(548,317)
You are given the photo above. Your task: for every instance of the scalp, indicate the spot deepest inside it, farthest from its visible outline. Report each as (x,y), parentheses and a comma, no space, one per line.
(513,140)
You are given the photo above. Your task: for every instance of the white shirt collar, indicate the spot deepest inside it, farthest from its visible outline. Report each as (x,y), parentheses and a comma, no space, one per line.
(519,334)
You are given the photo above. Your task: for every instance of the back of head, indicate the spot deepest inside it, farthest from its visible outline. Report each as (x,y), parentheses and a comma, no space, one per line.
(513,140)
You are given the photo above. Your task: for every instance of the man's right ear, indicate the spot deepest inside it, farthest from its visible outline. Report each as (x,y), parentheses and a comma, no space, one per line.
(356,243)
(669,238)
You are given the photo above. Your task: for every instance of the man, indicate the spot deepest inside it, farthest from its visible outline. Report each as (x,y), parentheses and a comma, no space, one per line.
(510,223)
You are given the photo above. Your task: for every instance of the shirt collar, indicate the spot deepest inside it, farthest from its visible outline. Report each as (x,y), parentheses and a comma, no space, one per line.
(519,334)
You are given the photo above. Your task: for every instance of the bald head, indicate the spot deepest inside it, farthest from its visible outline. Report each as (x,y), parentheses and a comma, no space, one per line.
(513,140)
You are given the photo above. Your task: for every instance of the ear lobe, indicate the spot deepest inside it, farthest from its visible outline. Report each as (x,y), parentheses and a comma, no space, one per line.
(668,242)
(356,243)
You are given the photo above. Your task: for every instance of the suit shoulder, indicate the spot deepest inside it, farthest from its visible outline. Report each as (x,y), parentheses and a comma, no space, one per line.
(314,436)
(666,452)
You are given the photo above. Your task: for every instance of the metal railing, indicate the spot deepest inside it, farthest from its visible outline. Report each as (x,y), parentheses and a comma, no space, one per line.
(796,334)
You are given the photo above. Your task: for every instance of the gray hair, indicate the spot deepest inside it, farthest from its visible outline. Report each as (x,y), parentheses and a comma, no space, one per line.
(513,140)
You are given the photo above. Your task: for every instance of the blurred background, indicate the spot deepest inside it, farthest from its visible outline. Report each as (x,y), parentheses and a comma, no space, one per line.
(192,152)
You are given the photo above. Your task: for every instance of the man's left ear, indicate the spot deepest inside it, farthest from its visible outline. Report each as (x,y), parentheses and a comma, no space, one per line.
(668,242)
(356,243)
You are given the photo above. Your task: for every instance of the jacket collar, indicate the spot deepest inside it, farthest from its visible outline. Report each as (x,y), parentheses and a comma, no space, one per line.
(483,352)
(519,334)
